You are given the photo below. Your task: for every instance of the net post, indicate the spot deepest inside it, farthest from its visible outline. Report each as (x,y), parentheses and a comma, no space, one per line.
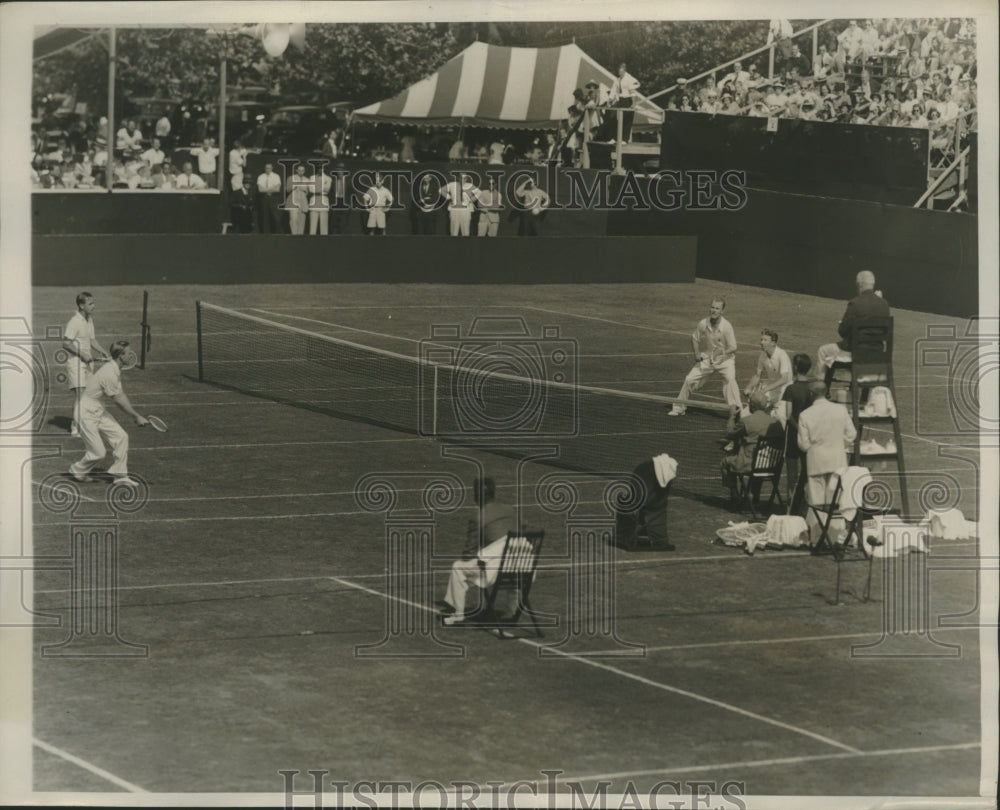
(201,370)
(144,332)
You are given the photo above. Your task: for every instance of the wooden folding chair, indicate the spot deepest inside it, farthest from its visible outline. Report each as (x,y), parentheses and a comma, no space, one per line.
(514,576)
(768,458)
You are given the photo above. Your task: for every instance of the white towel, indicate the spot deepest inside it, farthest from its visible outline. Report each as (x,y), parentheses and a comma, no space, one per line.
(951,525)
(787,530)
(853,481)
(896,537)
(666,469)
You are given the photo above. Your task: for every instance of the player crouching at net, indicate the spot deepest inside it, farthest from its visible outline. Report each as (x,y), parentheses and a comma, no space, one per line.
(714,344)
(97,425)
(489,529)
(773,375)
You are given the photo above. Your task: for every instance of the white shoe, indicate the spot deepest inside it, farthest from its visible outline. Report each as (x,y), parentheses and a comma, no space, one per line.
(74,431)
(83,479)
(126,481)
(453,619)
(672,412)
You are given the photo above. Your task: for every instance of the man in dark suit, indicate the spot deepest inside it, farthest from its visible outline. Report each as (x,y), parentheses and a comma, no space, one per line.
(241,207)
(491,527)
(868,303)
(427,203)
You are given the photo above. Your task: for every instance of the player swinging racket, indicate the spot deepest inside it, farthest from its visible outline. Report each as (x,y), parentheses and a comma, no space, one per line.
(714,344)
(97,425)
(81,345)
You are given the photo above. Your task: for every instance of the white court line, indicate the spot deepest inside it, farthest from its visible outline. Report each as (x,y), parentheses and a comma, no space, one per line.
(87,766)
(608,320)
(767,763)
(755,641)
(631,676)
(694,696)
(68,480)
(344,492)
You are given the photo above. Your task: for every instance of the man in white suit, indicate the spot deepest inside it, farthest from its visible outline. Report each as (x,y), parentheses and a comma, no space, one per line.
(825,432)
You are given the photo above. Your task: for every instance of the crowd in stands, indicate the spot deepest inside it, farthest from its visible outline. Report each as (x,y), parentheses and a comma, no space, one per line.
(887,72)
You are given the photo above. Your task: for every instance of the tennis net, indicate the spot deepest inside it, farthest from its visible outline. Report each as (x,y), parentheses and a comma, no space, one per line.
(465,394)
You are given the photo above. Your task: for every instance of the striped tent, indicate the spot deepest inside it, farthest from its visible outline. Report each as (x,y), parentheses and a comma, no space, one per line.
(499,87)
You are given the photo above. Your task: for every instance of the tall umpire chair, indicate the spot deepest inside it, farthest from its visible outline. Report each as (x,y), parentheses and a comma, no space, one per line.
(870,366)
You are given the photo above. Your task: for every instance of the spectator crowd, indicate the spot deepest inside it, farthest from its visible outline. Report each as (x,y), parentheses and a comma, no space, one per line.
(886,72)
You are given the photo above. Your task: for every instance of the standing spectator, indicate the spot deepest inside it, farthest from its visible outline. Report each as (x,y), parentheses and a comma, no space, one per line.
(714,345)
(339,204)
(237,164)
(823,63)
(623,92)
(426,203)
(154,156)
(460,195)
(849,45)
(297,200)
(780,33)
(330,147)
(268,199)
(241,206)
(319,202)
(825,431)
(496,152)
(489,203)
(162,130)
(408,148)
(207,154)
(795,399)
(534,204)
(379,199)
(128,141)
(458,150)
(187,179)
(737,74)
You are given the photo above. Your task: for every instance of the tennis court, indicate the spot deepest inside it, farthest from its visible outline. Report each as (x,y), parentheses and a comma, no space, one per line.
(253,573)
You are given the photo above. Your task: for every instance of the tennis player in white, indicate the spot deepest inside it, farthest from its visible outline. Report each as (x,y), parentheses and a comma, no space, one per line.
(714,345)
(81,345)
(97,425)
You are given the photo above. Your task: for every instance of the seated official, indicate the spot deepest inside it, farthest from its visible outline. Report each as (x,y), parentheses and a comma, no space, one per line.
(491,527)
(649,519)
(867,304)
(744,435)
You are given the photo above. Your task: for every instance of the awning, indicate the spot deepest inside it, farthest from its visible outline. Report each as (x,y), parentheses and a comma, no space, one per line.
(500,87)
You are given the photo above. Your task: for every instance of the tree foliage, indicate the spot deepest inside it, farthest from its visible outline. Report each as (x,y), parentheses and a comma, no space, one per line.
(366,62)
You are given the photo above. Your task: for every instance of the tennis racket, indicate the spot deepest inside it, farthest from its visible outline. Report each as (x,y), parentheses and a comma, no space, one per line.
(129,360)
(157,424)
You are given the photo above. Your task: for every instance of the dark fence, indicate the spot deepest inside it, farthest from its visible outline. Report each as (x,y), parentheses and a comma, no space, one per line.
(273,259)
(857,162)
(924,260)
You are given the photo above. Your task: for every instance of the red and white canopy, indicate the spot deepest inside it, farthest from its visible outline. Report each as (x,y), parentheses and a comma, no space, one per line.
(500,87)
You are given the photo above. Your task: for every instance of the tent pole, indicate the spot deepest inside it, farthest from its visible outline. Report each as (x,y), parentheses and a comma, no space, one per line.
(221,168)
(109,172)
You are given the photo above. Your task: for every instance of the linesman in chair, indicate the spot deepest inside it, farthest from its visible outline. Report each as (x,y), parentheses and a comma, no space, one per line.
(494,521)
(649,520)
(825,432)
(743,435)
